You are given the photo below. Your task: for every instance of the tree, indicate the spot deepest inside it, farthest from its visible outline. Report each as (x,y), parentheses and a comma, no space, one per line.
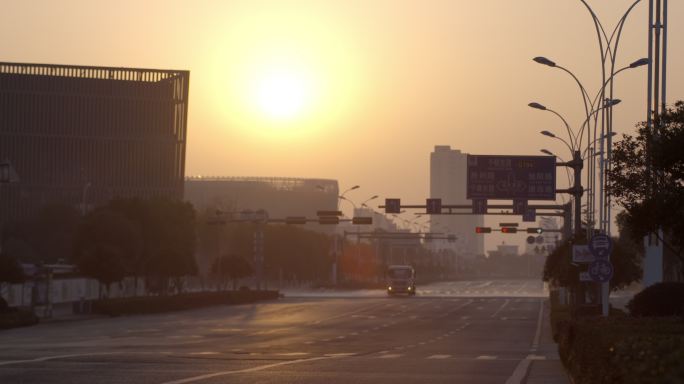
(46,238)
(106,245)
(647,180)
(231,267)
(167,229)
(10,272)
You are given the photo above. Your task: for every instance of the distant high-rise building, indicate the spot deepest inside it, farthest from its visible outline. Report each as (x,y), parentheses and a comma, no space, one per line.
(83,135)
(448,182)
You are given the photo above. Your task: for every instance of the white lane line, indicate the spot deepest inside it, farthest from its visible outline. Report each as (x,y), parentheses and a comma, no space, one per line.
(254,369)
(500,308)
(390,356)
(537,335)
(367,308)
(486,357)
(46,358)
(292,354)
(204,353)
(520,371)
(439,357)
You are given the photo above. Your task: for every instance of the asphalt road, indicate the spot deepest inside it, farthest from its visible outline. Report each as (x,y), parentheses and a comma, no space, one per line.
(460,332)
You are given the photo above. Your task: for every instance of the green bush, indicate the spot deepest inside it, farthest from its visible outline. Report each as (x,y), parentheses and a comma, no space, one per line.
(662,299)
(14,317)
(158,304)
(623,350)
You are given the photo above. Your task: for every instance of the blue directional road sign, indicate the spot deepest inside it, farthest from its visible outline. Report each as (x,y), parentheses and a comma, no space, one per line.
(392,205)
(433,206)
(511,177)
(601,271)
(601,246)
(519,206)
(530,215)
(479,206)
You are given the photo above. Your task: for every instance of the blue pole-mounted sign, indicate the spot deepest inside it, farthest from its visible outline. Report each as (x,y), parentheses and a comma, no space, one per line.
(497,177)
(601,246)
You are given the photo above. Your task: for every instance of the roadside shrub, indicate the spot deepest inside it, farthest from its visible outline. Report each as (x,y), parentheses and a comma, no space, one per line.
(662,299)
(4,307)
(159,304)
(623,350)
(15,317)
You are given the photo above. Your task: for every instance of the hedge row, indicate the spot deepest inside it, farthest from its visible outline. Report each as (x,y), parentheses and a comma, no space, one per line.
(14,317)
(623,349)
(158,304)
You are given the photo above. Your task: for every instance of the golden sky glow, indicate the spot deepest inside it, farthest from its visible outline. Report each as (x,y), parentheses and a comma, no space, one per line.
(355,90)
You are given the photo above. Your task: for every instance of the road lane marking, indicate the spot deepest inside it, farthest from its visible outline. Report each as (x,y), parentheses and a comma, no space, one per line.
(246,370)
(486,357)
(537,335)
(500,308)
(439,357)
(292,354)
(47,358)
(520,371)
(390,356)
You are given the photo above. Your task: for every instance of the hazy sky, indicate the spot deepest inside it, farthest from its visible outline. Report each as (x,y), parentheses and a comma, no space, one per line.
(363,89)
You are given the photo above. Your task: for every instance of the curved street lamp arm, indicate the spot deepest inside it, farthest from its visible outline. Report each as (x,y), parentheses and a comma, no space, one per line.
(567,127)
(566,144)
(585,96)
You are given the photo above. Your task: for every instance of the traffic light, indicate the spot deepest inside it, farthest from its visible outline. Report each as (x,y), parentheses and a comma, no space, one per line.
(538,231)
(328,220)
(328,213)
(295,220)
(509,230)
(362,220)
(483,230)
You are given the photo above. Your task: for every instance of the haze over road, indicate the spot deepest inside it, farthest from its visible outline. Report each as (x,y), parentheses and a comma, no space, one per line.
(471,332)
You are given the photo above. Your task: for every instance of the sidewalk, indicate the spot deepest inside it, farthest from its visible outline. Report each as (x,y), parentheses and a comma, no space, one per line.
(548,369)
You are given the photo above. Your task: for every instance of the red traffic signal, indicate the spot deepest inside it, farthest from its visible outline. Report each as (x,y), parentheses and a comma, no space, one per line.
(483,230)
(509,230)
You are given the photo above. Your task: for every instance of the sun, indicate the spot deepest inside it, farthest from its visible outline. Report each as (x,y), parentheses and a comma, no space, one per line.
(283,94)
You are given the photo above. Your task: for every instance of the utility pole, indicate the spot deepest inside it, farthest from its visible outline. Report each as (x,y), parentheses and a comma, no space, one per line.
(576,164)
(657,54)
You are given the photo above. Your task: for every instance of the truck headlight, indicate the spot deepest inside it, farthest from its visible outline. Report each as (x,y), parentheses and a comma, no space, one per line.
(389,288)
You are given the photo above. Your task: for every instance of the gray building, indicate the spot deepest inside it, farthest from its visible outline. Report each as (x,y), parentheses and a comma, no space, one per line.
(448,182)
(279,196)
(82,135)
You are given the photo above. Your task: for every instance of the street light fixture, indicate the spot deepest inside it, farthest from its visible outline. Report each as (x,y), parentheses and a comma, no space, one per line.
(544,61)
(369,199)
(537,106)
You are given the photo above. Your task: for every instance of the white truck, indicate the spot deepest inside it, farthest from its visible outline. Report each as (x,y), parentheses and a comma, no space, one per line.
(401,279)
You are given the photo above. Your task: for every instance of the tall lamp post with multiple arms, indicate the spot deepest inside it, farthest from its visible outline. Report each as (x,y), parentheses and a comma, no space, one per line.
(573,143)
